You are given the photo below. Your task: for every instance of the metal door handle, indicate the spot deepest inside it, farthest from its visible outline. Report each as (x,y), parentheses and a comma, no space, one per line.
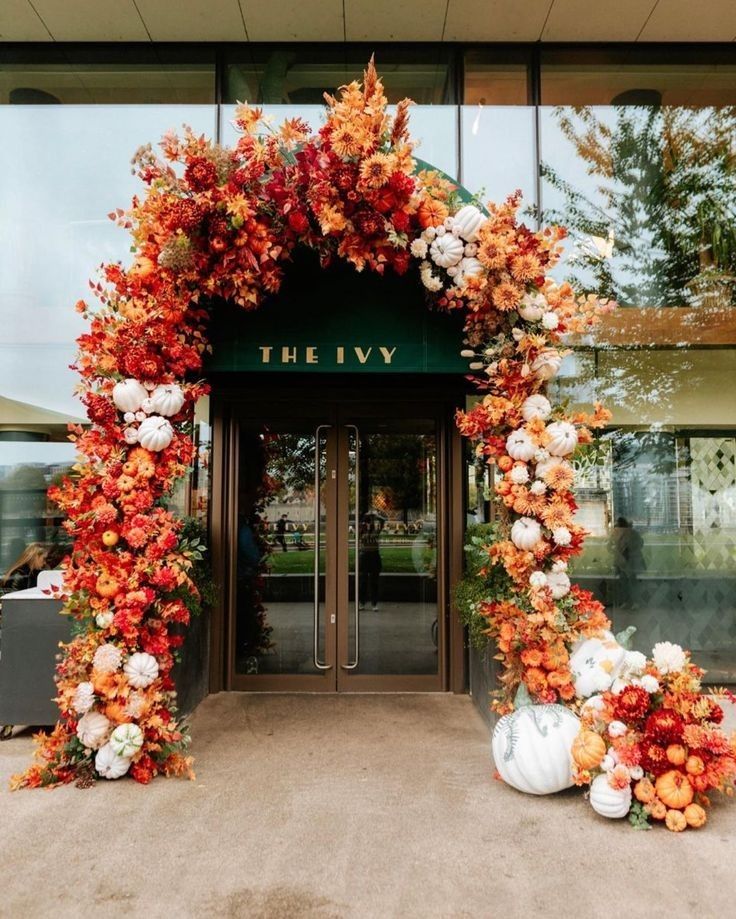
(317,515)
(356,526)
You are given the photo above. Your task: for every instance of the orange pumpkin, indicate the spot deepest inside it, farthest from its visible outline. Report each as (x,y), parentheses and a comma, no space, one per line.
(504,463)
(656,809)
(132,311)
(431,213)
(107,586)
(140,455)
(588,748)
(674,789)
(126,483)
(676,754)
(644,791)
(110,538)
(130,468)
(694,765)
(695,815)
(675,821)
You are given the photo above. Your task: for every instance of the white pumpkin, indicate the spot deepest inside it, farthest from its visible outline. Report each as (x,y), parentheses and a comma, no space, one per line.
(128,395)
(613,803)
(467,268)
(92,730)
(520,446)
(547,364)
(446,250)
(141,669)
(468,221)
(594,663)
(167,399)
(536,406)
(562,438)
(559,583)
(155,433)
(109,764)
(526,533)
(532,307)
(126,739)
(130,436)
(532,748)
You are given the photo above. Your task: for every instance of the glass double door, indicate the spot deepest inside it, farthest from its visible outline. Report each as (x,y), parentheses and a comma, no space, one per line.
(337,548)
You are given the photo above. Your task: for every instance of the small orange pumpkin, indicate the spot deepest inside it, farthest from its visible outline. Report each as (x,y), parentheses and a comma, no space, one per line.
(140,455)
(110,538)
(694,765)
(126,483)
(676,754)
(504,463)
(107,586)
(674,789)
(656,809)
(675,821)
(431,212)
(695,815)
(588,748)
(130,468)
(644,791)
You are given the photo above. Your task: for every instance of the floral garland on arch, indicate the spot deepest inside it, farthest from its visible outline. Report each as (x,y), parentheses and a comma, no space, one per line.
(223,223)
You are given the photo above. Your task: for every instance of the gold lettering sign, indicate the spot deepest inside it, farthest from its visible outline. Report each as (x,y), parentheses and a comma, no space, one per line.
(324,354)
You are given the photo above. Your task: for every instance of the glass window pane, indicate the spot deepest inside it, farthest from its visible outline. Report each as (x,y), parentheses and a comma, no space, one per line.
(299,76)
(114,75)
(496,77)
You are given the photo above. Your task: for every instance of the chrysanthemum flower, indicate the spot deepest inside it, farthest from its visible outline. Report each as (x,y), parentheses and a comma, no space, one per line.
(376,170)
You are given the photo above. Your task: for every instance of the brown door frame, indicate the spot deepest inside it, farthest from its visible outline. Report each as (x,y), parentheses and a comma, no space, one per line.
(231,391)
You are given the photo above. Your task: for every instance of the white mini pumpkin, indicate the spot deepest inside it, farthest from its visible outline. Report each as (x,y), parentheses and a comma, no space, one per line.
(547,364)
(532,307)
(155,433)
(130,436)
(613,803)
(526,533)
(128,395)
(141,669)
(468,221)
(562,438)
(559,583)
(446,250)
(167,399)
(467,268)
(532,747)
(536,406)
(92,730)
(109,764)
(126,739)
(594,663)
(520,446)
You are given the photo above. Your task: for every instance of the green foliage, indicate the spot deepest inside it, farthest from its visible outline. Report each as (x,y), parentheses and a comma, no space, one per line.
(193,544)
(481,583)
(638,817)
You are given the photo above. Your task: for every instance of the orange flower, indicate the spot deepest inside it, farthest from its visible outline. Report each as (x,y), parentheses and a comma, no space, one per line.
(344,142)
(560,476)
(506,296)
(556,514)
(535,679)
(532,657)
(525,267)
(620,778)
(376,170)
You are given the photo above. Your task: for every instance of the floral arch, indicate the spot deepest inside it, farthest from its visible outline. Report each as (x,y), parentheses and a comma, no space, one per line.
(217,223)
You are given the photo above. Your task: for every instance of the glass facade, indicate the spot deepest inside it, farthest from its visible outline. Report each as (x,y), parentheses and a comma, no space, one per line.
(633,149)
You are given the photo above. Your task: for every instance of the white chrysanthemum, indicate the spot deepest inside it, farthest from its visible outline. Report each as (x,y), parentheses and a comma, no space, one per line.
(104,619)
(419,248)
(135,705)
(562,536)
(617,729)
(559,565)
(431,283)
(84,697)
(538,487)
(519,475)
(550,320)
(649,683)
(429,234)
(107,659)
(668,658)
(537,579)
(634,663)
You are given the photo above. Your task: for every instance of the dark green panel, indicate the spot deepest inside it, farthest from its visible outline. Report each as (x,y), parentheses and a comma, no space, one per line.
(336,320)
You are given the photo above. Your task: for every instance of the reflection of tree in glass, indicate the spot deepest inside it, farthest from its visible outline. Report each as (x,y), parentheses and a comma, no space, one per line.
(291,462)
(396,464)
(666,191)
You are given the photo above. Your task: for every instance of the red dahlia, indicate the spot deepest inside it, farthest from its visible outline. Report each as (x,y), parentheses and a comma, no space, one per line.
(631,704)
(201,174)
(401,184)
(345,177)
(368,222)
(654,758)
(664,726)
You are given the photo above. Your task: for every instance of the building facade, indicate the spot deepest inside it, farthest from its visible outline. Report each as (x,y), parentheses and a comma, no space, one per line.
(333,486)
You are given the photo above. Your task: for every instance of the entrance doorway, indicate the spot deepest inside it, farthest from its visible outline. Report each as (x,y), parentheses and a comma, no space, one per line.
(335,540)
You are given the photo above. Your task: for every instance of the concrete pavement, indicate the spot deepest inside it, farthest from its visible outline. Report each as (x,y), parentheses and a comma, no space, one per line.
(344,806)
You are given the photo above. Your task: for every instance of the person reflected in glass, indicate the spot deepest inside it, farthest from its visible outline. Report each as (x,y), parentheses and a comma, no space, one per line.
(23,573)
(628,560)
(369,559)
(281,531)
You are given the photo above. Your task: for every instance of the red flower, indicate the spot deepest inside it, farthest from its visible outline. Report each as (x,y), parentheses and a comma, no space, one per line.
(664,726)
(298,221)
(631,704)
(368,222)
(201,174)
(654,758)
(143,770)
